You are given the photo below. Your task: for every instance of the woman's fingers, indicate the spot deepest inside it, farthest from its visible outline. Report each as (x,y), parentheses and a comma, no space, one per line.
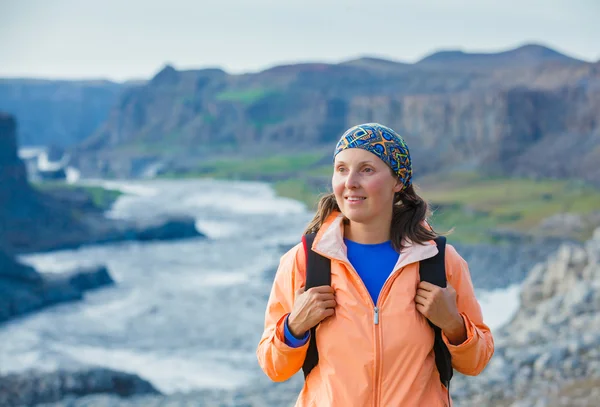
(329,303)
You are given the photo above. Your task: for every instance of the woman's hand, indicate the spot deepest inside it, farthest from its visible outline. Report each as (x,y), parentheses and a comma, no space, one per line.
(311,307)
(439,306)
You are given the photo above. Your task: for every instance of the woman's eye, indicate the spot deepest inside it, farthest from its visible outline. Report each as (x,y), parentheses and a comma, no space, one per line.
(368,169)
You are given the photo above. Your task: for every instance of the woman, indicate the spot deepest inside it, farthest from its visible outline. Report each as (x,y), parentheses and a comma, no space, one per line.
(373,336)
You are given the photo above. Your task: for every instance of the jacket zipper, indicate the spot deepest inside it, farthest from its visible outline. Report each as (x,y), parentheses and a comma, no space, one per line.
(378,358)
(377,368)
(376,325)
(375,333)
(377,341)
(376,328)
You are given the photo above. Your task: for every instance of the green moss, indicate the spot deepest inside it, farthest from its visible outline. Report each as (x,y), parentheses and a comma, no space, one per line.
(257,168)
(100,197)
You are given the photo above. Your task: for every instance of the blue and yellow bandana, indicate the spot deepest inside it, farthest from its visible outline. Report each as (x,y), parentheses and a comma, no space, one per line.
(382,141)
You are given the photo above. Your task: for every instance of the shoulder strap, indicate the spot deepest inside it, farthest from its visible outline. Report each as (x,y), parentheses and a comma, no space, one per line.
(433,270)
(318,268)
(318,273)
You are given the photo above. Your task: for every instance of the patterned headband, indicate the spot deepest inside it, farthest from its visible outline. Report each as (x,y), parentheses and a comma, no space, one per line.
(382,141)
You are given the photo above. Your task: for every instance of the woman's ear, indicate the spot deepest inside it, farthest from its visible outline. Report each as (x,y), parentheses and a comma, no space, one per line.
(398,186)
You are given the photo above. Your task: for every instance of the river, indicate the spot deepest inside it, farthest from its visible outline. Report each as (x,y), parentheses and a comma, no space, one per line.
(183,314)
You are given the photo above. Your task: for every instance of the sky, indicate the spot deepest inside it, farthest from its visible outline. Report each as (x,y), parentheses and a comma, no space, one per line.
(134,39)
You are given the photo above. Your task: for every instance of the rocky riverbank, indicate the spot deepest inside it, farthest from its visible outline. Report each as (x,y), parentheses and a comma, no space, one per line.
(549,354)
(34,221)
(494,267)
(24,289)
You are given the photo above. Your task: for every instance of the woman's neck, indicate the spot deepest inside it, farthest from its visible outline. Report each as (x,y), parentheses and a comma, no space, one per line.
(371,233)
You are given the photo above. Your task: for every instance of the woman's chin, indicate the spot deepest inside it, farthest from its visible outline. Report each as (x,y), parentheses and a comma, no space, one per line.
(355,215)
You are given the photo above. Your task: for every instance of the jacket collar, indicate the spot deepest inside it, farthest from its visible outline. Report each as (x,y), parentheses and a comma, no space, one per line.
(329,242)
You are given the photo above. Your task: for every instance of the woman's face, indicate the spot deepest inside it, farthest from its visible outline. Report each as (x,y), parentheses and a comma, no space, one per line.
(364,185)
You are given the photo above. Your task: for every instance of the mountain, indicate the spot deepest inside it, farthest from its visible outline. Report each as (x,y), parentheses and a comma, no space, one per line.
(374,63)
(517,110)
(528,111)
(57,112)
(526,55)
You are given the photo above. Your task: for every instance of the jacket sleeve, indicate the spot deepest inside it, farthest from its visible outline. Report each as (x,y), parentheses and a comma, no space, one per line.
(290,339)
(473,355)
(278,360)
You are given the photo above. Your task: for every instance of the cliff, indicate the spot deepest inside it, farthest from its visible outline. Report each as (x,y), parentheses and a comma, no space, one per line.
(518,131)
(504,112)
(24,214)
(31,220)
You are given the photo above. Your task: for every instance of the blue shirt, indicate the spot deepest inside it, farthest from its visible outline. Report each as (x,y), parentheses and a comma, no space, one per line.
(373,262)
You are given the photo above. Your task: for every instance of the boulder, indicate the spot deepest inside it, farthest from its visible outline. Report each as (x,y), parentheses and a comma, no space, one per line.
(23,289)
(33,388)
(167,229)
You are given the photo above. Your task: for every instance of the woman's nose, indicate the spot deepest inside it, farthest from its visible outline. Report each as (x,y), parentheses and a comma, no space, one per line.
(352,181)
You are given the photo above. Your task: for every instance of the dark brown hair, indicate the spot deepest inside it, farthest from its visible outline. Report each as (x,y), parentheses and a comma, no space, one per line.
(409,212)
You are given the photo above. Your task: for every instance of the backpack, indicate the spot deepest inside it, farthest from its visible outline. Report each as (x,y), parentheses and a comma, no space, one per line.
(432,270)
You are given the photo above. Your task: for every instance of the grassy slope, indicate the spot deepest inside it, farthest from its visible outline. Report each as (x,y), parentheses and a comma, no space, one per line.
(470,204)
(474,204)
(276,166)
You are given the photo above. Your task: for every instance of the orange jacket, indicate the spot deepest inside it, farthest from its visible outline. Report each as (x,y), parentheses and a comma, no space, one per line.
(362,363)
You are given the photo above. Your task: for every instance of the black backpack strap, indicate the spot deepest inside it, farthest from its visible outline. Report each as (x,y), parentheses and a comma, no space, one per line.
(318,273)
(433,270)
